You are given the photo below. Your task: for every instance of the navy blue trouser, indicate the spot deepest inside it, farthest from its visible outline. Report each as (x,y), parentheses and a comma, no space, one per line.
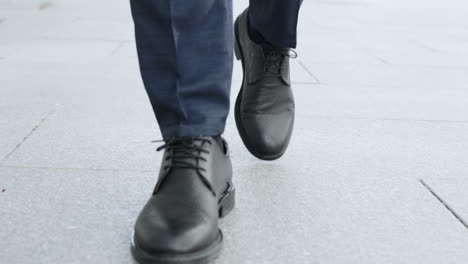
(185,50)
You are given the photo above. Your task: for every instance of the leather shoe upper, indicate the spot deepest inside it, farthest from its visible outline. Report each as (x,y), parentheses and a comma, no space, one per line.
(182,214)
(265,105)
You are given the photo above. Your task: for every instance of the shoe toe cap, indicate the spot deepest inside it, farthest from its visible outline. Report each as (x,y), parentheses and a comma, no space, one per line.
(157,233)
(267,136)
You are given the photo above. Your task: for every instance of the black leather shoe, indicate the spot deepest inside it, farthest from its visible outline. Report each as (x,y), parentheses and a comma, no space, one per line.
(265,105)
(179,224)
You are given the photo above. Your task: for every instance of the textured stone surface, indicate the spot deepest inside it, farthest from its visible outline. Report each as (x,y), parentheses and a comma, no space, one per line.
(375,173)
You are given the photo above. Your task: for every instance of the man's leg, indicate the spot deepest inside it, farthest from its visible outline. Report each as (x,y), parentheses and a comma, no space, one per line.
(185,53)
(275,20)
(265,105)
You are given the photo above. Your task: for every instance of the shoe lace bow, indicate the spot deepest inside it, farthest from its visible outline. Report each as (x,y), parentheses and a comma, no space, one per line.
(185,153)
(273,63)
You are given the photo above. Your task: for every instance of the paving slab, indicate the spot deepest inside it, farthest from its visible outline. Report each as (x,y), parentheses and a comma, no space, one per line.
(381,98)
(94,29)
(384,76)
(317,216)
(86,216)
(22,4)
(69,216)
(26,25)
(382,102)
(59,52)
(85,134)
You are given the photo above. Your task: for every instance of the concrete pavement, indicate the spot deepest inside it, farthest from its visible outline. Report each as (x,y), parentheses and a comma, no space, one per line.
(377,170)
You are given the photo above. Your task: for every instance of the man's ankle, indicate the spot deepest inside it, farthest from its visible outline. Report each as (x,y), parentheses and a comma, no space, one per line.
(254,35)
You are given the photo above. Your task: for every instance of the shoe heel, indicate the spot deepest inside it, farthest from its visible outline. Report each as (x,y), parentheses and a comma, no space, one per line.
(237,51)
(227,203)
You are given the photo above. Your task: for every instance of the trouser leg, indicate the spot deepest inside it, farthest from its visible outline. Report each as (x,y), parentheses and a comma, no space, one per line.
(185,53)
(276,20)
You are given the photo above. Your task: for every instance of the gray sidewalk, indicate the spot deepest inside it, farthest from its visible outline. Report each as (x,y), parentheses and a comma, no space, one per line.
(377,170)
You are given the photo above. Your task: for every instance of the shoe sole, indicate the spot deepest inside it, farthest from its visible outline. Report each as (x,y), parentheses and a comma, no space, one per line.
(225,206)
(237,114)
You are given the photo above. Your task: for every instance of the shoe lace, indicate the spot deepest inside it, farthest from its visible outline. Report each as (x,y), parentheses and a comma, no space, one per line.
(274,60)
(181,151)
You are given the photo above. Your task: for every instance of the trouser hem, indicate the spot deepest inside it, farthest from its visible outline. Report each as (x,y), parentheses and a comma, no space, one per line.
(212,128)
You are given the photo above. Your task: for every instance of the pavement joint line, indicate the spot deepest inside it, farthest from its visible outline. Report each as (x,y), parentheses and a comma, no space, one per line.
(423,46)
(117,48)
(384,61)
(19,144)
(444,203)
(371,53)
(317,81)
(386,119)
(74,169)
